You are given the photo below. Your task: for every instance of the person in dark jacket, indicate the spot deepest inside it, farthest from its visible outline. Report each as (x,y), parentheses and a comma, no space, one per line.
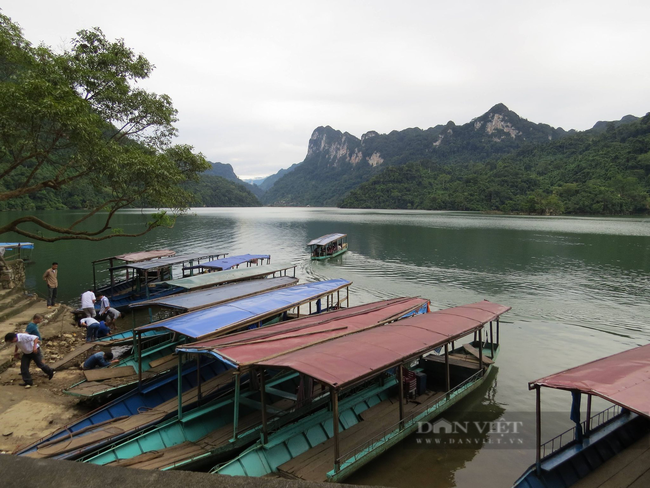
(99,360)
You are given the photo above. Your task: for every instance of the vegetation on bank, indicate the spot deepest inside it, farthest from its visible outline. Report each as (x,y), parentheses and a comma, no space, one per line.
(76,131)
(602,173)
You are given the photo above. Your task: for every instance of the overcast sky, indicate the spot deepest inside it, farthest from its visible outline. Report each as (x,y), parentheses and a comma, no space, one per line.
(252,79)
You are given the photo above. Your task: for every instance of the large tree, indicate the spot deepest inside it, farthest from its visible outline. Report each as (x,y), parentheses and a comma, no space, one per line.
(77,118)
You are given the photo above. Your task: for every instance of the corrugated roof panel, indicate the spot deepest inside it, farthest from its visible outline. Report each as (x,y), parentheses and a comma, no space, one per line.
(247,310)
(219,294)
(345,360)
(255,345)
(228,276)
(623,379)
(326,239)
(227,263)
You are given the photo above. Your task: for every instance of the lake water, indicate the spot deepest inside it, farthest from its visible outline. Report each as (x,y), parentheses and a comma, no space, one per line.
(578,288)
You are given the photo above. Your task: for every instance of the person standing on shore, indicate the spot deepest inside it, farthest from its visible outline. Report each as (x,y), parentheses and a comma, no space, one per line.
(29,346)
(104,305)
(32,327)
(51,277)
(88,300)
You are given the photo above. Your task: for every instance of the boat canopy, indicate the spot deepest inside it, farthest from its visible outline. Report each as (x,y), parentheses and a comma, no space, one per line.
(212,296)
(213,279)
(10,246)
(134,257)
(247,310)
(255,345)
(227,263)
(326,239)
(169,261)
(623,379)
(347,360)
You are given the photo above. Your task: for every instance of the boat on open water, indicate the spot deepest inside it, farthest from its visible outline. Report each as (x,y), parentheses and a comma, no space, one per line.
(609,448)
(328,246)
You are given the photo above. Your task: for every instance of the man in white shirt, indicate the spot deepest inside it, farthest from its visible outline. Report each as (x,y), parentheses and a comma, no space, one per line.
(92,327)
(88,303)
(29,345)
(104,305)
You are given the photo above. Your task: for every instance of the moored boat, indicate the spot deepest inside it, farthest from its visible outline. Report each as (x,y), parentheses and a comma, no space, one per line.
(381,384)
(328,246)
(592,452)
(196,438)
(134,278)
(256,311)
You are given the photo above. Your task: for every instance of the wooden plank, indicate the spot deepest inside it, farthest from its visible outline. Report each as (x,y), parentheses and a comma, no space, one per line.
(163,360)
(73,355)
(109,373)
(626,469)
(461,362)
(474,352)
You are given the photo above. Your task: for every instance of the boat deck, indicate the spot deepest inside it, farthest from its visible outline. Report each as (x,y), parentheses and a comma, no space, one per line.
(118,426)
(94,388)
(166,458)
(628,469)
(314,464)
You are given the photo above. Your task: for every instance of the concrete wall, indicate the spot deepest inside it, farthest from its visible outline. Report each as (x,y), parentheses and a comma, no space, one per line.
(22,472)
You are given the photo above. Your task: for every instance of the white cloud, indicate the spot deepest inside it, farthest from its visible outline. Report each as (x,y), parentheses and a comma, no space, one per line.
(252,79)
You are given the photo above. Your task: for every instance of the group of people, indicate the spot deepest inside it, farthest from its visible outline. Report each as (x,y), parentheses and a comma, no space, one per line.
(97,325)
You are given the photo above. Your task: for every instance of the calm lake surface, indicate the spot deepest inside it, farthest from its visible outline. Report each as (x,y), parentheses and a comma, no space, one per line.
(579,289)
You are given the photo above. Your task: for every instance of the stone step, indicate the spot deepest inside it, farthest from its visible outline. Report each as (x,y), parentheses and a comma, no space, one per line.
(9,292)
(9,301)
(23,304)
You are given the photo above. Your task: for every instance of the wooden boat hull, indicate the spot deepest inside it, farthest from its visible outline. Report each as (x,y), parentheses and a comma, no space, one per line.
(153,394)
(574,461)
(294,440)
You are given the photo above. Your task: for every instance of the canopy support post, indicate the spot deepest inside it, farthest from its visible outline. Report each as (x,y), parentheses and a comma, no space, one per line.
(265,437)
(198,379)
(491,341)
(498,332)
(235,416)
(447,377)
(480,348)
(180,386)
(335,425)
(139,360)
(538,430)
(588,424)
(400,386)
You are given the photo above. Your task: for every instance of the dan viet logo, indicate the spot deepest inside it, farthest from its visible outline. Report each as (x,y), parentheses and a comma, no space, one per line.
(444,433)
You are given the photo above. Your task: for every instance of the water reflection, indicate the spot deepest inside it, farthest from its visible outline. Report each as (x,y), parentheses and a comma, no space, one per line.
(413,464)
(579,288)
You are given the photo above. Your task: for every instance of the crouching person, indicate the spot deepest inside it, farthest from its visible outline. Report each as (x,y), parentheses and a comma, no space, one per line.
(29,345)
(92,328)
(99,360)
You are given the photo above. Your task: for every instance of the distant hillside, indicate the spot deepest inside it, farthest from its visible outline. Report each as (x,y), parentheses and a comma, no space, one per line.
(269,181)
(226,171)
(338,162)
(601,126)
(592,172)
(216,191)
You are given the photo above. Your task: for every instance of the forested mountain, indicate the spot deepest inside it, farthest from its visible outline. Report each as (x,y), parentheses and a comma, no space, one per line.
(216,191)
(593,172)
(269,181)
(226,171)
(338,162)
